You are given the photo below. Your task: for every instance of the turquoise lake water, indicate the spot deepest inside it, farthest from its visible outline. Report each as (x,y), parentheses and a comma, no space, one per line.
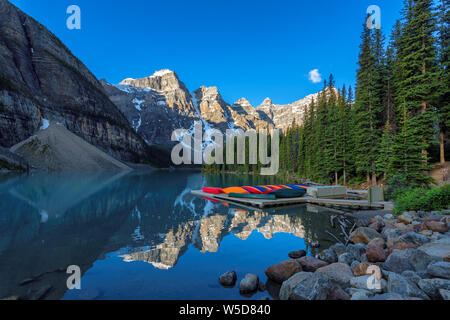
(141,235)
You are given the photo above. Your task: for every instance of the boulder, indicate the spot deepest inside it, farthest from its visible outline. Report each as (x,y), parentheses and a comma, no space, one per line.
(39,293)
(408,259)
(377,226)
(435,226)
(388,216)
(375,254)
(297,254)
(400,226)
(364,235)
(306,286)
(426,233)
(400,285)
(411,276)
(249,283)
(377,242)
(346,258)
(416,238)
(362,282)
(361,269)
(228,279)
(284,270)
(445,294)
(337,293)
(432,286)
(364,258)
(354,264)
(311,264)
(352,291)
(357,251)
(338,248)
(328,256)
(439,269)
(400,245)
(438,249)
(391,233)
(339,273)
(436,236)
(405,218)
(289,285)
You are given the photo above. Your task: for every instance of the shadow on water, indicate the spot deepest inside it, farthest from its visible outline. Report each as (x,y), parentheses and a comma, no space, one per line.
(140,236)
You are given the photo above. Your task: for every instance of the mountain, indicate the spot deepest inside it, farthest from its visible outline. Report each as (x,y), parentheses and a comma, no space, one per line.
(41,81)
(158,104)
(154,106)
(55,149)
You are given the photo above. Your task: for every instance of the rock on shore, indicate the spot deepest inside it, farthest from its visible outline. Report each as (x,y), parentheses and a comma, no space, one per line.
(390,258)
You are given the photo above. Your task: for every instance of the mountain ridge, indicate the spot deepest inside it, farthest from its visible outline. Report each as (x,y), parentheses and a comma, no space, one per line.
(179,107)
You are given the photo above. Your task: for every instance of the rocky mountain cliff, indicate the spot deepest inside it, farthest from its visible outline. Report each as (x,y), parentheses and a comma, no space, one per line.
(41,80)
(158,104)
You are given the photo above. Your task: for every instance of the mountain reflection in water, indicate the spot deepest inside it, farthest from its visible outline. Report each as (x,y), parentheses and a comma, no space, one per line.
(140,235)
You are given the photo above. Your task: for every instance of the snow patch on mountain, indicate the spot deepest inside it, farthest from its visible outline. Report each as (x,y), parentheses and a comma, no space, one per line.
(161,73)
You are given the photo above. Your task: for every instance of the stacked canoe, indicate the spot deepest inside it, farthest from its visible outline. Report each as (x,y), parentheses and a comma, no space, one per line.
(266,192)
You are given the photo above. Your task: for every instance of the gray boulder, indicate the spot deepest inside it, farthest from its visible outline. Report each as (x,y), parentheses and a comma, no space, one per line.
(354,264)
(440,269)
(249,283)
(338,248)
(339,273)
(392,233)
(437,249)
(228,279)
(306,286)
(445,294)
(346,258)
(362,283)
(352,291)
(408,259)
(400,285)
(289,285)
(432,286)
(411,276)
(328,256)
(357,251)
(415,238)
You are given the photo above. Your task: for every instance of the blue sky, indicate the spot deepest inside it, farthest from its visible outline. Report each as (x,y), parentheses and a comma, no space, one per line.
(252,49)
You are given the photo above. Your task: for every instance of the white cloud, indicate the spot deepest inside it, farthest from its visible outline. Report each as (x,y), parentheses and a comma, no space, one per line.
(315,76)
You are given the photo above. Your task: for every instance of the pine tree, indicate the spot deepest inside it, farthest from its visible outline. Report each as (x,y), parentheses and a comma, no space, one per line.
(443,99)
(416,85)
(367,109)
(384,158)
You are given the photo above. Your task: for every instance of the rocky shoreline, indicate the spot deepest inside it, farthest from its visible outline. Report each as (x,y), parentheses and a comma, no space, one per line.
(405,257)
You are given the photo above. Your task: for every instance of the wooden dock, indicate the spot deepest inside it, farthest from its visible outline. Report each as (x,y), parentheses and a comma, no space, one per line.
(262,203)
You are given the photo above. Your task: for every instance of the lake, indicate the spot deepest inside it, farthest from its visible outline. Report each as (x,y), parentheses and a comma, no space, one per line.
(141,235)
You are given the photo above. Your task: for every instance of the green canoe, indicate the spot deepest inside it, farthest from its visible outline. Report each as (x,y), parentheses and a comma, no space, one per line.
(288,193)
